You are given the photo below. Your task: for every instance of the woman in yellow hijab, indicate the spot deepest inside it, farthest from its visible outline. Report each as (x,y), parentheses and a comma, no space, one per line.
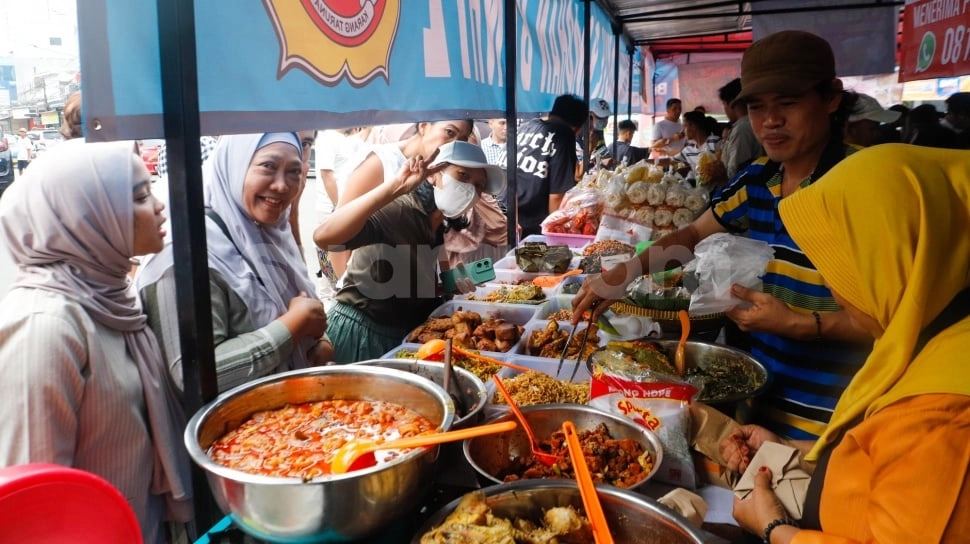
(889,230)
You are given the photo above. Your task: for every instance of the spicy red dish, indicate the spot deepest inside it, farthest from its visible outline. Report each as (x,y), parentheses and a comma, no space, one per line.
(298,441)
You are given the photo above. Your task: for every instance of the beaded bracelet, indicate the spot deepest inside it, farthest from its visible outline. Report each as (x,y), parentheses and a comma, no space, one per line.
(818,326)
(777,523)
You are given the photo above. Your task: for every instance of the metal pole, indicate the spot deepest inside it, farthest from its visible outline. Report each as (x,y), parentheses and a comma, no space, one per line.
(616,82)
(180,102)
(511,119)
(629,94)
(587,18)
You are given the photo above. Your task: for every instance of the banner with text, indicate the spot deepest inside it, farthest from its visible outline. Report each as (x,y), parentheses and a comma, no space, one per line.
(936,39)
(300,64)
(862,39)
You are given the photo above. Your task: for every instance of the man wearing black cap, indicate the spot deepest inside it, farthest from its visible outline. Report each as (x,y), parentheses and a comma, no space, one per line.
(958,117)
(797,329)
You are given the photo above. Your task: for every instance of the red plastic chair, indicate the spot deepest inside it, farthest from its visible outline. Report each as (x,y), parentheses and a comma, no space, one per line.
(51,504)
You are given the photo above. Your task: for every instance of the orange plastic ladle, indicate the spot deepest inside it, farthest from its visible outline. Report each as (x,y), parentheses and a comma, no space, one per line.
(547,459)
(552,281)
(359,454)
(434,350)
(680,354)
(587,490)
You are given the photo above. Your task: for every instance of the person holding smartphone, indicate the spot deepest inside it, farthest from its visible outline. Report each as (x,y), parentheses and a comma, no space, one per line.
(396,231)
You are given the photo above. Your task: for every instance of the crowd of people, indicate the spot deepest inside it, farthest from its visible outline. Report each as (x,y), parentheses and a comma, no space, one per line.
(861,320)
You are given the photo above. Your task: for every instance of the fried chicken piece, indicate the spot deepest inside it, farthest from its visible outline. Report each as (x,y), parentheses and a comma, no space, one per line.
(427,336)
(440,324)
(484,344)
(540,338)
(507,331)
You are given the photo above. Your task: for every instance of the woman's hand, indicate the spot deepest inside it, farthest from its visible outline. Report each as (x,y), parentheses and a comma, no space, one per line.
(305,317)
(739,447)
(414,172)
(765,313)
(600,290)
(761,507)
(321,353)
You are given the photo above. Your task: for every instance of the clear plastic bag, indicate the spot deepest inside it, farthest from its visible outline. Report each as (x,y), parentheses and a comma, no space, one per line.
(722,260)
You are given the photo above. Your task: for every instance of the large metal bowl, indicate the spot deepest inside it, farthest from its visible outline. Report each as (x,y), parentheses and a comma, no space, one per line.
(472,392)
(701,354)
(331,508)
(633,518)
(493,454)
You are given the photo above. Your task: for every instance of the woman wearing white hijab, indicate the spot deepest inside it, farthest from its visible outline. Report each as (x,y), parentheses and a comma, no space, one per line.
(265,314)
(83,380)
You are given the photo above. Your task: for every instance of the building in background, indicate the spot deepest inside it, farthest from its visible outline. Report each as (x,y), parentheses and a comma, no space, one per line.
(39,62)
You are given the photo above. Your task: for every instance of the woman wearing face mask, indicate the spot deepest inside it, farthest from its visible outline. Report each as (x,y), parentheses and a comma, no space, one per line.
(396,231)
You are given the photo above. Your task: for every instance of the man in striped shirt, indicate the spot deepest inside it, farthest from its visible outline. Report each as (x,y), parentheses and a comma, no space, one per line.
(797,330)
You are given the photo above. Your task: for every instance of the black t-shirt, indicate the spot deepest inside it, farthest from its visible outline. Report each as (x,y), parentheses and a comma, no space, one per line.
(546,164)
(624,150)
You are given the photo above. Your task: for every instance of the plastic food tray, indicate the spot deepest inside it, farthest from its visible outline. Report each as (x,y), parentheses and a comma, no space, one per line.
(548,366)
(539,324)
(571,240)
(520,314)
(489,384)
(488,288)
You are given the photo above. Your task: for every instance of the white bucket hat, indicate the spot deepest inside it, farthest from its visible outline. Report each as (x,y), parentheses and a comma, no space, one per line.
(867,107)
(471,156)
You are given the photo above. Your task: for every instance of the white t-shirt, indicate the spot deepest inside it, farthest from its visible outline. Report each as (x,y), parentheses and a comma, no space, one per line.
(339,153)
(665,128)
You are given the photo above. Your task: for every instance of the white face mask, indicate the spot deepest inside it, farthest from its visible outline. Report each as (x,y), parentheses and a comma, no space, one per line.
(454,197)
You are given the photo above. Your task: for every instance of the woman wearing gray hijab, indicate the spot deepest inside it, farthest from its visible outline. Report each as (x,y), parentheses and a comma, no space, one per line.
(83,382)
(265,314)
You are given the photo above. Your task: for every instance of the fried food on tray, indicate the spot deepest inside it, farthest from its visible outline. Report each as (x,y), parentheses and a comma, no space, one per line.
(549,342)
(534,387)
(469,330)
(472,522)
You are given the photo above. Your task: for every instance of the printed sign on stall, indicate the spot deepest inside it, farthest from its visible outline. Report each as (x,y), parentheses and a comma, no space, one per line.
(300,64)
(936,39)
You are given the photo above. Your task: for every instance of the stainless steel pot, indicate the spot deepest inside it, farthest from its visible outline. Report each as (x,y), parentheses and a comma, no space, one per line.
(331,508)
(472,393)
(633,518)
(492,455)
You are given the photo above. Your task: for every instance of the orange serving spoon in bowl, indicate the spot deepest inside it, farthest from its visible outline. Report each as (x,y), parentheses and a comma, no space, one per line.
(680,354)
(358,454)
(587,490)
(547,459)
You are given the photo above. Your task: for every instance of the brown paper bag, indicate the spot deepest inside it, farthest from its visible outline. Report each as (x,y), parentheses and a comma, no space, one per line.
(709,427)
(788,480)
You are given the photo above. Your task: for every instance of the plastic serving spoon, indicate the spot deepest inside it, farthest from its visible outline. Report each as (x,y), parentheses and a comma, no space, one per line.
(587,490)
(680,354)
(547,459)
(359,454)
(433,349)
(552,281)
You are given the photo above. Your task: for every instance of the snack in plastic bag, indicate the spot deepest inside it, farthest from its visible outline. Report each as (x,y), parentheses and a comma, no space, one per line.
(682,216)
(635,380)
(676,195)
(662,216)
(656,193)
(622,229)
(710,169)
(722,260)
(637,191)
(615,197)
(696,200)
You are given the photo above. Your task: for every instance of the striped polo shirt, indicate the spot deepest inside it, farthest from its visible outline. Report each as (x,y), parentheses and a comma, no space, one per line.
(808,377)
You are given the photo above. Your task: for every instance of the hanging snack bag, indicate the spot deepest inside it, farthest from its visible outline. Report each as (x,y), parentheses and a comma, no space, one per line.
(636,380)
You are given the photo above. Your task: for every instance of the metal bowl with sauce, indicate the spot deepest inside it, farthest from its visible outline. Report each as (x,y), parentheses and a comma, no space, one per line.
(329,508)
